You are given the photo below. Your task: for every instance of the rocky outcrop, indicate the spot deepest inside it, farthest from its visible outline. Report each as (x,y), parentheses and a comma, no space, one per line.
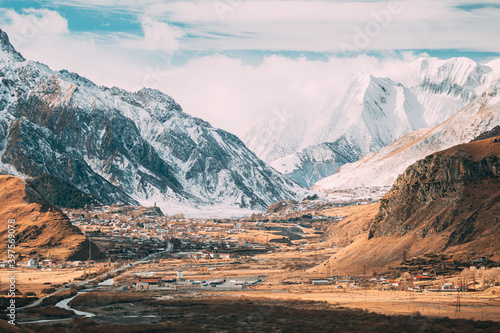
(430,195)
(61,193)
(446,204)
(280,207)
(318,161)
(488,134)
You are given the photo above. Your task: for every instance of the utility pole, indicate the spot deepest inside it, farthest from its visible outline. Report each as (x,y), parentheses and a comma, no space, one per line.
(90,255)
(458,305)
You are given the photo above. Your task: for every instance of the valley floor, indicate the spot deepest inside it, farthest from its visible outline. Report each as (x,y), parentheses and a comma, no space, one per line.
(288,289)
(190,312)
(283,300)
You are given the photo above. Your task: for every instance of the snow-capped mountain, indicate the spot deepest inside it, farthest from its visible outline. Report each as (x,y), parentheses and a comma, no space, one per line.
(383,167)
(371,114)
(124,146)
(368,115)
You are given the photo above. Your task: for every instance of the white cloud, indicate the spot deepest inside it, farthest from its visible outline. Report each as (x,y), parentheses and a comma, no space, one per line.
(228,92)
(326,26)
(29,25)
(233,95)
(319,26)
(157,36)
(114,60)
(225,91)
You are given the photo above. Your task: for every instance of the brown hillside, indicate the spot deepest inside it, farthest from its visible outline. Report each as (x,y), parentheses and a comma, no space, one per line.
(447,203)
(40,227)
(475,151)
(354,226)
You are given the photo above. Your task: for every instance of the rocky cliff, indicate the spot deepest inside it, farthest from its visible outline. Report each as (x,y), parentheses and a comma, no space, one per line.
(447,203)
(441,192)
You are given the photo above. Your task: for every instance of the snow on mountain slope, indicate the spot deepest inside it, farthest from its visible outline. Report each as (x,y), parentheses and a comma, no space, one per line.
(446,86)
(372,113)
(368,115)
(124,146)
(383,167)
(318,161)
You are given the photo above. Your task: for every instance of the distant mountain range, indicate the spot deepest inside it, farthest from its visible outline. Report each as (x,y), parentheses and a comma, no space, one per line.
(370,114)
(140,147)
(383,167)
(120,146)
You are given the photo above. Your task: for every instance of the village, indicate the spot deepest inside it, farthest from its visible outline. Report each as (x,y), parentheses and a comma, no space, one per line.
(276,256)
(127,234)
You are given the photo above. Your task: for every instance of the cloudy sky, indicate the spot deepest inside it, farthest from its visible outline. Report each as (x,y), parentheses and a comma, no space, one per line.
(232,62)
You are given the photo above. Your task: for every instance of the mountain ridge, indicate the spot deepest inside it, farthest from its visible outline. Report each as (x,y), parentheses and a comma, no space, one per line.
(119,146)
(383,167)
(369,114)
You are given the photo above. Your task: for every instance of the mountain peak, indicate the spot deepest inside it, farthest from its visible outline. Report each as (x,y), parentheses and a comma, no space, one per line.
(150,95)
(382,168)
(438,70)
(132,147)
(158,104)
(6,47)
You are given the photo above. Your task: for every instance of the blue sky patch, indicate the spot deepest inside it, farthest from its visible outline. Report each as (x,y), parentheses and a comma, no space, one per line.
(475,6)
(84,19)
